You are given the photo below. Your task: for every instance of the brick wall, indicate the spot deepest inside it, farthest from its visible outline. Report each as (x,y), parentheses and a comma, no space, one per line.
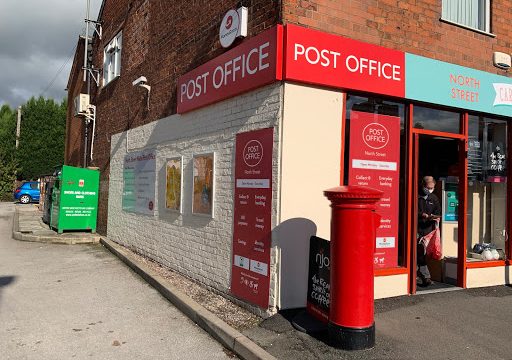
(196,246)
(74,143)
(408,25)
(162,40)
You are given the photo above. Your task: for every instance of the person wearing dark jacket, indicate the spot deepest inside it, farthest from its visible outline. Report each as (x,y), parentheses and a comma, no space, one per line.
(429,212)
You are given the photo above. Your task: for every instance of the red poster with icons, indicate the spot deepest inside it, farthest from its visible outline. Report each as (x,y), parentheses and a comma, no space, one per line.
(252,216)
(374,155)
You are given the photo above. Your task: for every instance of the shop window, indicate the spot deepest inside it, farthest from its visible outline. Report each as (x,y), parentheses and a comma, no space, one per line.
(112,59)
(474,14)
(435,119)
(487,189)
(375,154)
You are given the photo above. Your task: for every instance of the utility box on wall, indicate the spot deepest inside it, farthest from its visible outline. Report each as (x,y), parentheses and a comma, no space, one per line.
(75,199)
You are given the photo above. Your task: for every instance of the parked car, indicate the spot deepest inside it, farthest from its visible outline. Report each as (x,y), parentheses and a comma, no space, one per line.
(27,192)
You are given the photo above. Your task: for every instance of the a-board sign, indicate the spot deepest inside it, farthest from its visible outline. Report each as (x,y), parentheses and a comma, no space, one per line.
(319,275)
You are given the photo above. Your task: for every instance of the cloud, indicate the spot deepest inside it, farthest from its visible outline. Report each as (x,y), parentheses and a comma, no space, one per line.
(36,39)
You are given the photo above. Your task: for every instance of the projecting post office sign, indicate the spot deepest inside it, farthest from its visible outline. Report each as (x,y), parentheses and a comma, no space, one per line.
(229,28)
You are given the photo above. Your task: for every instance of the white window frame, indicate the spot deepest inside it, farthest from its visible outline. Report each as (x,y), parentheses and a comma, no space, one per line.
(487,26)
(112,59)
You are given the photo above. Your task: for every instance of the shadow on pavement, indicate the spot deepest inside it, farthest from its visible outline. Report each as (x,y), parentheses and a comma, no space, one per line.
(5,281)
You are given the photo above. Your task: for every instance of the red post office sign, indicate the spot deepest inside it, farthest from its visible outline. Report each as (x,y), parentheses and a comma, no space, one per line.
(254,63)
(250,271)
(319,58)
(374,155)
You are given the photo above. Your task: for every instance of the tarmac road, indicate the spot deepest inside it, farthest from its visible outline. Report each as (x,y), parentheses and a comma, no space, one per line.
(81,302)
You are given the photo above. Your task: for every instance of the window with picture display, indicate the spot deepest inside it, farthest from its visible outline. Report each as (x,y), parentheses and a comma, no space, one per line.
(487,189)
(203,191)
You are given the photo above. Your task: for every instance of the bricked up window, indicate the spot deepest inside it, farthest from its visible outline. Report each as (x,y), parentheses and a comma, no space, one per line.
(112,59)
(474,14)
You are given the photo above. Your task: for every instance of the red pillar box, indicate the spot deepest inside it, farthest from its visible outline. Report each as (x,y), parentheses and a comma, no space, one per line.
(353,226)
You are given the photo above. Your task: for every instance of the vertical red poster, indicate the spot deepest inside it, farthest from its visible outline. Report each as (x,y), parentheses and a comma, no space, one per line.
(374,155)
(250,270)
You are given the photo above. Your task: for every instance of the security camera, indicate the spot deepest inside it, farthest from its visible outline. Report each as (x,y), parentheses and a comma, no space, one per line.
(140,81)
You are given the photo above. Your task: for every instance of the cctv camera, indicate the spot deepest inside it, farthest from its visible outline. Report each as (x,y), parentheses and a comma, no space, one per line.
(140,81)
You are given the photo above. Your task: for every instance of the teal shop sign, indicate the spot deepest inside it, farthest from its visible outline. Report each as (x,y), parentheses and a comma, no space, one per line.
(452,85)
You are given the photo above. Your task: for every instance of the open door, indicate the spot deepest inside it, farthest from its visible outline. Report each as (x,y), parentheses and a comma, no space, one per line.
(443,157)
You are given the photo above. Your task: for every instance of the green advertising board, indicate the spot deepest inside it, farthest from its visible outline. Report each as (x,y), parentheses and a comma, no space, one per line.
(75,199)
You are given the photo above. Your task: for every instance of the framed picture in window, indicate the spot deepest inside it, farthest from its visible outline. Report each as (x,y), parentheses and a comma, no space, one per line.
(174,183)
(203,191)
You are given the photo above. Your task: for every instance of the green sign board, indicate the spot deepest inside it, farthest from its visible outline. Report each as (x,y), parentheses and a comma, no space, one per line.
(75,199)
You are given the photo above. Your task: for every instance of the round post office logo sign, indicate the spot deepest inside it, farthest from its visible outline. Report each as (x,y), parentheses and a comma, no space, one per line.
(253,153)
(375,136)
(229,28)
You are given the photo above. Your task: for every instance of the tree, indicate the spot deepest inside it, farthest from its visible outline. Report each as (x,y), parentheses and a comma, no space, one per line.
(8,163)
(41,146)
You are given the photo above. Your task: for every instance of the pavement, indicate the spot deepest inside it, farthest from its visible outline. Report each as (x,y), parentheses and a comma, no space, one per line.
(81,302)
(29,226)
(463,324)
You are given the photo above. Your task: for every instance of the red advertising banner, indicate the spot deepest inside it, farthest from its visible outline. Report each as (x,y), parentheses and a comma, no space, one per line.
(250,271)
(254,63)
(374,155)
(319,58)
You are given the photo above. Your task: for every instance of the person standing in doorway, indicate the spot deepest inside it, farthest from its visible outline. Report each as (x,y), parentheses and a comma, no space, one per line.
(429,212)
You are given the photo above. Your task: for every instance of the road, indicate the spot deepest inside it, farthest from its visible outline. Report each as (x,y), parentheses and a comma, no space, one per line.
(81,302)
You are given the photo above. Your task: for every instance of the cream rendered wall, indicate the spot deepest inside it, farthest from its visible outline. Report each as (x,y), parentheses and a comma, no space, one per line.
(490,276)
(388,286)
(310,163)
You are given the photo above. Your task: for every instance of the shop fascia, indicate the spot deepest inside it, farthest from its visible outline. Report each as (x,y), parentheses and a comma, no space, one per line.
(319,58)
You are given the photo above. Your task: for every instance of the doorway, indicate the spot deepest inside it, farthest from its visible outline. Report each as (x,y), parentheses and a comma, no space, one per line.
(443,158)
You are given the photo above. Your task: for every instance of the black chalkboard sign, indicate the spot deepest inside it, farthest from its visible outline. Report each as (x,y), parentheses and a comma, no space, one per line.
(319,274)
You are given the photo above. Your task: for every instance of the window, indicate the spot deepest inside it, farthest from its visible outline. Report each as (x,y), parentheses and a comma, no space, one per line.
(361,114)
(112,59)
(435,119)
(474,14)
(487,189)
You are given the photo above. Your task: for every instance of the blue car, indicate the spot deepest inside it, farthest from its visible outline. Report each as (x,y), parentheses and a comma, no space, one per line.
(27,192)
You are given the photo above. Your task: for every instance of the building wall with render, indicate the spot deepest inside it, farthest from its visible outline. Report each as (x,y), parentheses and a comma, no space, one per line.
(197,246)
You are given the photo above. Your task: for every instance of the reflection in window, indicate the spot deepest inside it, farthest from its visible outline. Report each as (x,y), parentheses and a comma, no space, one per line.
(487,188)
(434,119)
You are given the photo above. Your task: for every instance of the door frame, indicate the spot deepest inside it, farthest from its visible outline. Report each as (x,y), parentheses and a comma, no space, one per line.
(413,178)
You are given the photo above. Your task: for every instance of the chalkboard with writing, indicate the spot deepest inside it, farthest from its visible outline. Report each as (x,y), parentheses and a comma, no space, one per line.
(319,286)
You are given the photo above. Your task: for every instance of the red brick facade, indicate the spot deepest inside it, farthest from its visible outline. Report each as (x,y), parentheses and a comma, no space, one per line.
(74,145)
(164,39)
(412,26)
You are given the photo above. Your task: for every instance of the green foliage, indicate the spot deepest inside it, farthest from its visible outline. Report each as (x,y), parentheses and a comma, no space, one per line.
(41,146)
(8,163)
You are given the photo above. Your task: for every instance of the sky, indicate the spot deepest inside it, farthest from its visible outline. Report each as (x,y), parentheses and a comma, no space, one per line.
(37,43)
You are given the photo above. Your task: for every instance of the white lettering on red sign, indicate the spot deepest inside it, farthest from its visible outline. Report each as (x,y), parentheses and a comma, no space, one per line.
(375,136)
(314,56)
(373,68)
(257,59)
(253,153)
(354,64)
